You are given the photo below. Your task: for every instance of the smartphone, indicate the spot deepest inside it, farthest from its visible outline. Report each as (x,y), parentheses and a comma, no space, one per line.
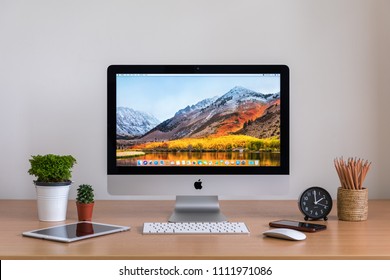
(301,226)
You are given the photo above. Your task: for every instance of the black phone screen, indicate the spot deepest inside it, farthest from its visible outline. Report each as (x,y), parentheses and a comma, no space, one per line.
(297,225)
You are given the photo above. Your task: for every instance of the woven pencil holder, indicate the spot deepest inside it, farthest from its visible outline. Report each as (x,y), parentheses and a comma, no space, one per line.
(352,205)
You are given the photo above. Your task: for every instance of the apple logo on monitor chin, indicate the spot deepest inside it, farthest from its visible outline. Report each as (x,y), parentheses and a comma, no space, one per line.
(198,185)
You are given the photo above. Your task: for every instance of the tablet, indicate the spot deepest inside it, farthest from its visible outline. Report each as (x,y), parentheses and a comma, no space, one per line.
(74,232)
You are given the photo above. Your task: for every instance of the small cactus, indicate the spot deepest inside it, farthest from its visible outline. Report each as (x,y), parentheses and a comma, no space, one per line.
(85,194)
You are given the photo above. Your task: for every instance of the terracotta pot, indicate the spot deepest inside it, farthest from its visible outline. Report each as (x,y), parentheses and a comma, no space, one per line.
(84,211)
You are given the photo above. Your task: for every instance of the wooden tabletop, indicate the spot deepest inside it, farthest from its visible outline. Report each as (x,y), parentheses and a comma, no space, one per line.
(342,240)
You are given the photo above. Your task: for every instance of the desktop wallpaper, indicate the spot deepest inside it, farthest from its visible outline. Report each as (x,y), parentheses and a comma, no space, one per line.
(198,120)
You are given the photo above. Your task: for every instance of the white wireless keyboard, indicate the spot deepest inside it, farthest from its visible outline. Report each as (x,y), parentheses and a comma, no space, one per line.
(196,228)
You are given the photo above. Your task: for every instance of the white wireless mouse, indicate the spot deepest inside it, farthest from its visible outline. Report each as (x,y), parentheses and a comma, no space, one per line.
(285,233)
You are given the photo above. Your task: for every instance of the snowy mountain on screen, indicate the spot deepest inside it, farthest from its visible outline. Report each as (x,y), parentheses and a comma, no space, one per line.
(132,123)
(238,95)
(215,116)
(200,105)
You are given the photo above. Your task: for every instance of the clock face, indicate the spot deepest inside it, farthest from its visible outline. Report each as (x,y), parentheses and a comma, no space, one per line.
(315,203)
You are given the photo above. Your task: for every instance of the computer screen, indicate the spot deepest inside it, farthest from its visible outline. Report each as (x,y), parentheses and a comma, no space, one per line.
(172,129)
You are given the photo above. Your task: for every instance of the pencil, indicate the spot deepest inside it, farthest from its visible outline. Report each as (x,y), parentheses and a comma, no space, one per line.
(351,172)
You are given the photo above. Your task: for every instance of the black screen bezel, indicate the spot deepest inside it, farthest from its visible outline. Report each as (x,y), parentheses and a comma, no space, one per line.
(113,70)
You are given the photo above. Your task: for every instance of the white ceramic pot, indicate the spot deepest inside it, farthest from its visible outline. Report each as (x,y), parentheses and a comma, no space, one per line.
(52,202)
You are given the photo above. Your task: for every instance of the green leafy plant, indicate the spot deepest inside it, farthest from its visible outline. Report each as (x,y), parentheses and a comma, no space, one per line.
(52,168)
(85,194)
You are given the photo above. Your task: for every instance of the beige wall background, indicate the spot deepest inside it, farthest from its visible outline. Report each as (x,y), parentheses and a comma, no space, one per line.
(54,55)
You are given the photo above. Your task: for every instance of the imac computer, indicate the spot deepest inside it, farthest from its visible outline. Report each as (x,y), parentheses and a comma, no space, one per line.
(197,132)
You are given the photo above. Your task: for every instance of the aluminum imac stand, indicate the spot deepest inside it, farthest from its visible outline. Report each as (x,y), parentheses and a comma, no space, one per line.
(197,209)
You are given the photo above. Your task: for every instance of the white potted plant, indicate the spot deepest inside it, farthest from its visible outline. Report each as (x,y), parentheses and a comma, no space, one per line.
(52,185)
